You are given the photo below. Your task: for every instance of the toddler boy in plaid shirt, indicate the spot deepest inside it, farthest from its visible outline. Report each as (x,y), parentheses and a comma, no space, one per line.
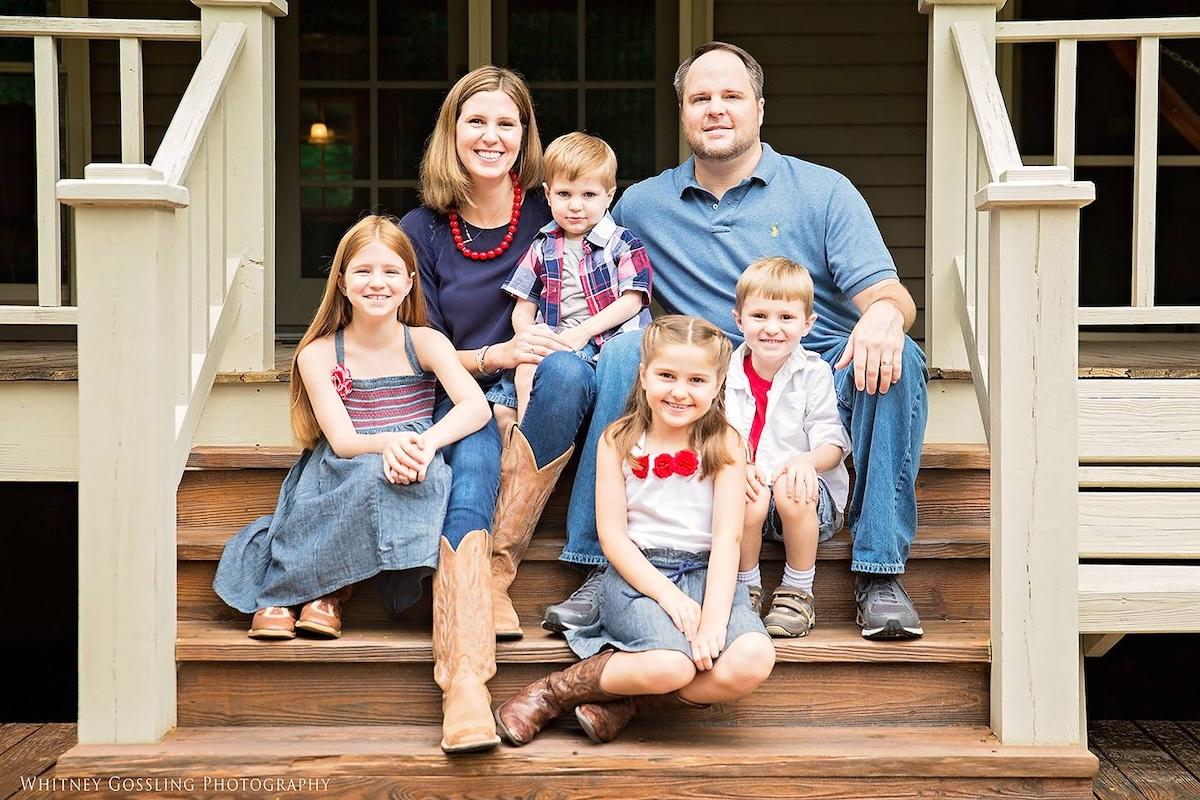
(584,276)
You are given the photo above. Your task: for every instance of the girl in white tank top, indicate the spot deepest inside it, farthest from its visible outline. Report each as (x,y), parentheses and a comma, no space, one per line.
(675,627)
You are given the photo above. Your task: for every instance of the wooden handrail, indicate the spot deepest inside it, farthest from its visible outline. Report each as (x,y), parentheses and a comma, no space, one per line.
(987,101)
(163,30)
(183,136)
(1092,30)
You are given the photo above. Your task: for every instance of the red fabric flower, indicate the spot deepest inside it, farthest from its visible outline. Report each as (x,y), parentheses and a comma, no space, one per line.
(664,465)
(641,467)
(686,463)
(343,384)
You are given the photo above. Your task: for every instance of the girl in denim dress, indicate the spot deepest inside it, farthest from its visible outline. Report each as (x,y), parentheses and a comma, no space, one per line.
(369,493)
(675,627)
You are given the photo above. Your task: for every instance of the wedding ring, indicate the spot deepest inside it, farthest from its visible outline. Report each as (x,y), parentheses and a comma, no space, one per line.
(885,363)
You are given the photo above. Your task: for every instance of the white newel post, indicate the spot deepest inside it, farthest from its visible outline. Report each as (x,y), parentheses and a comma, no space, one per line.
(948,199)
(1032,366)
(249,103)
(127,276)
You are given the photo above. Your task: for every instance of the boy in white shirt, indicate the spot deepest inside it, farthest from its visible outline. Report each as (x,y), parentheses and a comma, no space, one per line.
(781,398)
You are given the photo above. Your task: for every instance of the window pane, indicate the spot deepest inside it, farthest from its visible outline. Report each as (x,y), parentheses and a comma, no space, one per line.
(1105,246)
(556,112)
(620,40)
(406,118)
(412,40)
(398,202)
(625,119)
(342,150)
(18,214)
(542,38)
(333,41)
(326,214)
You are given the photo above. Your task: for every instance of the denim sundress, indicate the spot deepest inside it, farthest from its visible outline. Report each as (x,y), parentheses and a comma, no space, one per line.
(339,521)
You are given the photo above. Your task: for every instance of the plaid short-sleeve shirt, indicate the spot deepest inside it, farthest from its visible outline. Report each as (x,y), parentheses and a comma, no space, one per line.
(614,262)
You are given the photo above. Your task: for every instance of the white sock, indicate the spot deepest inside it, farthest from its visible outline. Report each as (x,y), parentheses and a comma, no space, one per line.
(801,579)
(751,577)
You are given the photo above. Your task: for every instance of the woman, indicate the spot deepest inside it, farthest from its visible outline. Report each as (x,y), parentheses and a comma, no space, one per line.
(482,205)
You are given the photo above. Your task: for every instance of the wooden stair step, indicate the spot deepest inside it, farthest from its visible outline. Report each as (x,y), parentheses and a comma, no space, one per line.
(648,761)
(373,693)
(205,543)
(944,642)
(933,456)
(940,588)
(234,497)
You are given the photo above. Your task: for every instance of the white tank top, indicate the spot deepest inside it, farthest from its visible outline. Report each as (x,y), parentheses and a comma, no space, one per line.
(674,512)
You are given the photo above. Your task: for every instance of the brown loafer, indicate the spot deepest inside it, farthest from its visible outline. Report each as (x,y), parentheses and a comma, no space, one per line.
(323,616)
(273,622)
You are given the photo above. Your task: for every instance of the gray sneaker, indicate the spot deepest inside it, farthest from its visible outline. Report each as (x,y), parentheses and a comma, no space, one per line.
(581,608)
(884,608)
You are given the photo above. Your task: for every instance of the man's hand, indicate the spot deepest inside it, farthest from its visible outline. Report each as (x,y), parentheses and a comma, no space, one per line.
(876,348)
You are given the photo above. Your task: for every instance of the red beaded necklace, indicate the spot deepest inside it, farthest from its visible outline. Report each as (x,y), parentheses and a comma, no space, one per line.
(487,255)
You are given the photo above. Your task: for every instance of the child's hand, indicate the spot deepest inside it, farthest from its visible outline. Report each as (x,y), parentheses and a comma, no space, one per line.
(756,483)
(684,612)
(799,480)
(406,458)
(575,338)
(709,642)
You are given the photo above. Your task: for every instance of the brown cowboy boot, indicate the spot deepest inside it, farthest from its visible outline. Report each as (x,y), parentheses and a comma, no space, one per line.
(532,708)
(524,490)
(323,616)
(464,644)
(603,722)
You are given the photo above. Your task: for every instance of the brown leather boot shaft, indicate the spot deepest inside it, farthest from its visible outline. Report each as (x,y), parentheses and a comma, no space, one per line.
(524,491)
(464,643)
(532,708)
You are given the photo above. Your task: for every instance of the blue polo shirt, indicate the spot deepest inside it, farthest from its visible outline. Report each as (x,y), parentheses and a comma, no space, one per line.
(700,245)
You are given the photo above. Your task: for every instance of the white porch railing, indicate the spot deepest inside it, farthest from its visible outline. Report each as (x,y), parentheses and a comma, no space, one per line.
(45,32)
(1002,264)
(174,280)
(1148,34)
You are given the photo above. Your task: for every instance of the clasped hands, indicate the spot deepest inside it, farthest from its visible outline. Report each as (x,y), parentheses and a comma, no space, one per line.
(406,457)
(707,641)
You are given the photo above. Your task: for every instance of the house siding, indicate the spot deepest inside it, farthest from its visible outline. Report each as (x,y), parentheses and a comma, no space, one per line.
(845,87)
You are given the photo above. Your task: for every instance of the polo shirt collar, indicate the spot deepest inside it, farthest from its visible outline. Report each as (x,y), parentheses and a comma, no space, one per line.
(598,235)
(764,170)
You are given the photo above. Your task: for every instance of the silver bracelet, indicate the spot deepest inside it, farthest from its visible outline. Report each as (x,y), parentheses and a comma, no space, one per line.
(479,357)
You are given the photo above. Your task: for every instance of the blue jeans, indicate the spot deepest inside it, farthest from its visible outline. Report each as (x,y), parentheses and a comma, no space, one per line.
(564,389)
(887,431)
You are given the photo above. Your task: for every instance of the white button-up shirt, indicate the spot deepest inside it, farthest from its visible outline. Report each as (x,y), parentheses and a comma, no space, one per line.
(802,414)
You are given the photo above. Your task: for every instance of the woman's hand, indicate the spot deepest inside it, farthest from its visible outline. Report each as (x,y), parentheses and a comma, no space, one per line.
(406,457)
(531,345)
(709,641)
(799,479)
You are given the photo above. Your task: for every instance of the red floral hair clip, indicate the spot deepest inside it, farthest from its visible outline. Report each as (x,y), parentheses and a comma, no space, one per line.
(343,384)
(684,463)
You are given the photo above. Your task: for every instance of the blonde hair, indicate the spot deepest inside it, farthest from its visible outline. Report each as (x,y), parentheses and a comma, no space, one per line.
(579,155)
(335,311)
(445,183)
(775,278)
(709,434)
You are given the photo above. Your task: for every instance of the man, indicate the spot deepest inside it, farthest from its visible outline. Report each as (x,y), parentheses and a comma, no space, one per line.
(733,202)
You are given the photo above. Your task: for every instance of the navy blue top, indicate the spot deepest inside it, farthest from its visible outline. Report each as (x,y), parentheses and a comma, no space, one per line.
(463,297)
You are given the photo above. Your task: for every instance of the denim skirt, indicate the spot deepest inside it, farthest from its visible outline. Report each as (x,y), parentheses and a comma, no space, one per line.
(632,622)
(338,521)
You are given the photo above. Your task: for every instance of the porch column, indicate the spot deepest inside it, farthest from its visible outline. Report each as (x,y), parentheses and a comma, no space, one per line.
(127,281)
(948,170)
(249,103)
(1033,386)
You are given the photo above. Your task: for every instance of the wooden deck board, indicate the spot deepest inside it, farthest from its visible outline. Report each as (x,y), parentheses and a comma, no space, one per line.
(32,754)
(58,361)
(1155,773)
